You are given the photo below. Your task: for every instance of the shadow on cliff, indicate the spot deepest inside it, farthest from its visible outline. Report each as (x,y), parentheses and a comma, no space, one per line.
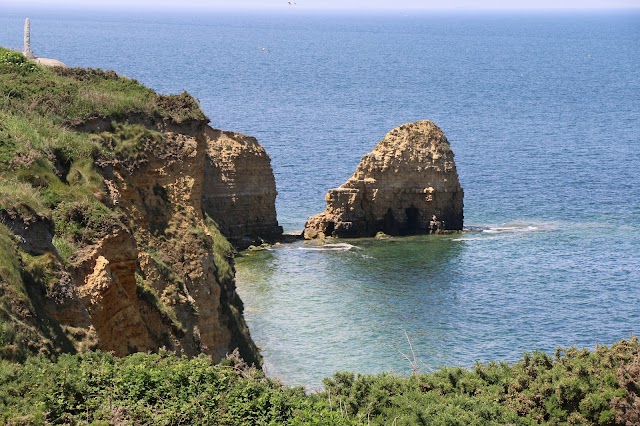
(47,326)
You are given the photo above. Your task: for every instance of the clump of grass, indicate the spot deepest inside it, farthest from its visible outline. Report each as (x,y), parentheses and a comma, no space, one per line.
(148,294)
(25,138)
(128,145)
(223,253)
(13,193)
(10,275)
(48,273)
(85,221)
(65,249)
(180,107)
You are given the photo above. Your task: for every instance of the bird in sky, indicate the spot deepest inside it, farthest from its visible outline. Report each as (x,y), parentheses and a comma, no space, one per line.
(292,3)
(264,49)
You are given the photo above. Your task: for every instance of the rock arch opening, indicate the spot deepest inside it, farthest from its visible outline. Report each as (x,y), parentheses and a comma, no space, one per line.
(413,221)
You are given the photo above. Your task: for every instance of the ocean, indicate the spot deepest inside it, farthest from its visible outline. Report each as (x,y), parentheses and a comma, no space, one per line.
(542,111)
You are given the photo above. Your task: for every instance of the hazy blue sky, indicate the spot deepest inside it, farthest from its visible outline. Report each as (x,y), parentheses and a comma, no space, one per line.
(327,4)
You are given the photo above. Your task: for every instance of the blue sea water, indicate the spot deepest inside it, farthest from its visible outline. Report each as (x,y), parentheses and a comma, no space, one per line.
(542,111)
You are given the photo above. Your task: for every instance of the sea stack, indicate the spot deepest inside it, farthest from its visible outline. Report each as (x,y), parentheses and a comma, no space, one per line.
(407,185)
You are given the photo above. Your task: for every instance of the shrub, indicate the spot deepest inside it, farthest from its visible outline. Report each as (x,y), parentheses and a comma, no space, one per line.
(16,62)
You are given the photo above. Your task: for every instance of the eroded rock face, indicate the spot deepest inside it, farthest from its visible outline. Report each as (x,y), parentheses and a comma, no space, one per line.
(409,177)
(239,190)
(162,274)
(109,295)
(182,298)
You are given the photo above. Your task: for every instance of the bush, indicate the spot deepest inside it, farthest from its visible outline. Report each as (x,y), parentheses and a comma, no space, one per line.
(16,62)
(574,387)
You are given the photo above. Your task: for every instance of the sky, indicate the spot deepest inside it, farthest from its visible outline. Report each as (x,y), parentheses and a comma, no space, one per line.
(324,4)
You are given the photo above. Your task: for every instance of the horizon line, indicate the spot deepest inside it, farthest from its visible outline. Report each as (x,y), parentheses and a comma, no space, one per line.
(311,8)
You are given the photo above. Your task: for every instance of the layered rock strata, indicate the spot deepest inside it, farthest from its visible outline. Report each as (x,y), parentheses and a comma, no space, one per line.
(239,190)
(398,188)
(160,273)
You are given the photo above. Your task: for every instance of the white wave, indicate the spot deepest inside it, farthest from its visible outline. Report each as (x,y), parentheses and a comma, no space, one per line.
(511,229)
(330,247)
(475,239)
(479,232)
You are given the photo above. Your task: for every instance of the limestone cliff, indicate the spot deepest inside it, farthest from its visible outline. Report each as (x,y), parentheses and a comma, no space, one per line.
(162,276)
(109,218)
(239,190)
(409,177)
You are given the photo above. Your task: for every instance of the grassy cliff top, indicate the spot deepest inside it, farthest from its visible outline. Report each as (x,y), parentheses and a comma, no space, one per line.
(71,95)
(51,176)
(43,160)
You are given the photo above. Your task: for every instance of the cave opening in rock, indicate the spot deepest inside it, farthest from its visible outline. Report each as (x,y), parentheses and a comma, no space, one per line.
(389,224)
(413,216)
(331,226)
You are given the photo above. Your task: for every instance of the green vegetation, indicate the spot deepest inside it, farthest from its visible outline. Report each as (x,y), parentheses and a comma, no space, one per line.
(61,129)
(20,333)
(575,386)
(52,165)
(148,294)
(223,253)
(76,94)
(16,62)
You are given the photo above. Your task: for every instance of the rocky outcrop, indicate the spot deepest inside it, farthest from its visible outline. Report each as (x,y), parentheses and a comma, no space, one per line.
(182,294)
(239,190)
(157,272)
(106,288)
(398,188)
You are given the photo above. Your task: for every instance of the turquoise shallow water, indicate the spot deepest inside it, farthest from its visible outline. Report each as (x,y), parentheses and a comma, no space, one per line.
(542,112)
(478,296)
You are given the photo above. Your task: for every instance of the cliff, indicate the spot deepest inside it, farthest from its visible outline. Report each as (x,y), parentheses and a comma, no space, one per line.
(409,177)
(105,239)
(240,190)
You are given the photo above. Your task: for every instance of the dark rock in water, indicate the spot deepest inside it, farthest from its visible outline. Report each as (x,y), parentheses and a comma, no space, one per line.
(398,188)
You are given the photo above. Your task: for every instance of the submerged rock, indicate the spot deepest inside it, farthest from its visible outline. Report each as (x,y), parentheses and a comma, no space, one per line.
(398,188)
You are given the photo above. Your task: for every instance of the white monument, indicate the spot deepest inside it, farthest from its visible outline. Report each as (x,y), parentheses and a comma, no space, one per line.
(27,39)
(29,53)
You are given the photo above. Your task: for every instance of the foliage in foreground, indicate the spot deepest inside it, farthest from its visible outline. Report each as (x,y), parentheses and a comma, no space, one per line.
(576,386)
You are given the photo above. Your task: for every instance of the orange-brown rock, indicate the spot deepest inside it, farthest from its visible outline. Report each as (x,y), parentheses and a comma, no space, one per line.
(184,299)
(160,273)
(239,190)
(110,297)
(398,188)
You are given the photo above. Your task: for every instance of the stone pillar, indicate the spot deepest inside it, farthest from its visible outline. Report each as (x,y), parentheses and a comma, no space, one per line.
(27,39)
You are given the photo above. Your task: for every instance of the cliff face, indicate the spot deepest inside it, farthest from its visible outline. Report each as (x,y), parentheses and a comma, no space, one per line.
(409,177)
(105,241)
(174,261)
(163,276)
(239,188)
